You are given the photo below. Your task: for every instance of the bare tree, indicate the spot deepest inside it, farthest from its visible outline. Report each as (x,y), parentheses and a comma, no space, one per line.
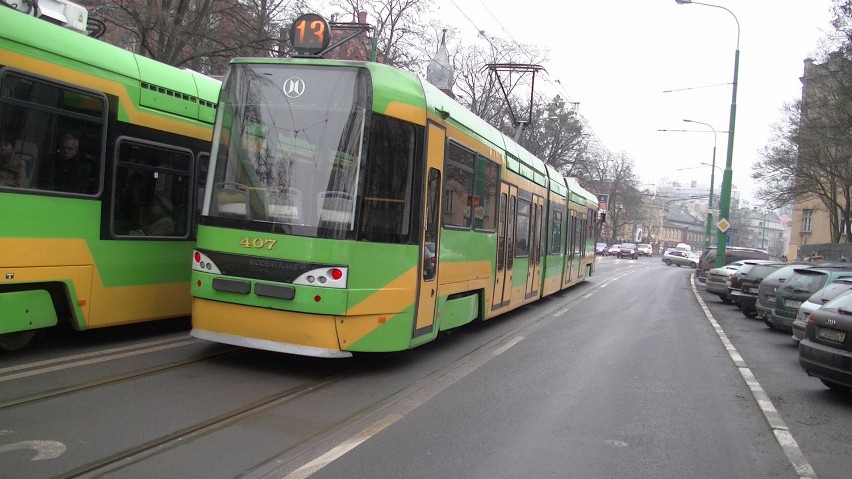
(809,156)
(399,28)
(199,34)
(613,174)
(558,137)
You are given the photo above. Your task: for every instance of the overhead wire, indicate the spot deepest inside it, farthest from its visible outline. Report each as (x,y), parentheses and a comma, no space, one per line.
(556,84)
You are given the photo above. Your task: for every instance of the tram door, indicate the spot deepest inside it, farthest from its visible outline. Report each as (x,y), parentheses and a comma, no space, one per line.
(430,239)
(572,222)
(500,276)
(534,265)
(509,248)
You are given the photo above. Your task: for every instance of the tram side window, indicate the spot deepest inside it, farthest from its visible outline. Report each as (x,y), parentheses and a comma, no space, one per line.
(484,199)
(153,191)
(522,234)
(388,181)
(458,200)
(57,134)
(556,233)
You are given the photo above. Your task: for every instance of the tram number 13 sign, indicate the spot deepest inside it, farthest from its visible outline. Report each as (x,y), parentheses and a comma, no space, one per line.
(310,34)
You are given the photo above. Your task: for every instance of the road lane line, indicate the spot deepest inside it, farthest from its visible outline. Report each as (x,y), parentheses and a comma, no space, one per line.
(767,408)
(335,453)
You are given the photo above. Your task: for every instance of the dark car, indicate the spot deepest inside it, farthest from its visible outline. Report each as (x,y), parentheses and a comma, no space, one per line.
(732,254)
(826,350)
(766,291)
(801,285)
(628,250)
(826,294)
(746,281)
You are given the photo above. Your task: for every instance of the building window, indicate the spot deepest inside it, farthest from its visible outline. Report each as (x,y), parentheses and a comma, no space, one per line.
(807,220)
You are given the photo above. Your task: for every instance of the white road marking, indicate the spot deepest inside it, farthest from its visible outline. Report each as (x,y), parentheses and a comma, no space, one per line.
(347,445)
(770,413)
(44,449)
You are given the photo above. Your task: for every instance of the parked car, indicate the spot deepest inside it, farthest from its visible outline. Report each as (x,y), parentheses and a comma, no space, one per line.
(645,249)
(601,249)
(680,258)
(739,277)
(803,283)
(719,279)
(749,286)
(826,294)
(732,254)
(768,287)
(826,350)
(628,250)
(614,249)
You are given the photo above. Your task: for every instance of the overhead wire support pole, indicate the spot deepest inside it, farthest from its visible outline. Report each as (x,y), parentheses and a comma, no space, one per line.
(725,198)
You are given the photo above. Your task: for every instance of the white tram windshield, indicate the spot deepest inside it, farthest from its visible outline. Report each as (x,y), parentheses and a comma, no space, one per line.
(288,155)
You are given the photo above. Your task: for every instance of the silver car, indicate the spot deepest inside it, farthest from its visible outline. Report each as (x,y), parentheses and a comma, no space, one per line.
(681,258)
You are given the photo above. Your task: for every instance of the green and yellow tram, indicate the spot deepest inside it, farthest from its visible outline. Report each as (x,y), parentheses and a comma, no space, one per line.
(99,180)
(353,207)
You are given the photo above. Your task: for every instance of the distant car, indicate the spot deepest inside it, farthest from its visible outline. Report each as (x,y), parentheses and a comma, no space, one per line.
(680,258)
(601,248)
(644,249)
(614,249)
(826,294)
(719,280)
(628,250)
(826,350)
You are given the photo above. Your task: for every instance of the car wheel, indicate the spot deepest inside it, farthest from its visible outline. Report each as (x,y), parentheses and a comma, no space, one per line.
(668,262)
(693,265)
(725,299)
(769,323)
(835,386)
(750,313)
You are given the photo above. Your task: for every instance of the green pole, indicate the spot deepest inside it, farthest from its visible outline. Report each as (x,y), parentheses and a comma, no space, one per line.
(725,199)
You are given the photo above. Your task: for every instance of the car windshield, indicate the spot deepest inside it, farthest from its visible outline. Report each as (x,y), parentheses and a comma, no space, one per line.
(842,301)
(806,282)
(628,245)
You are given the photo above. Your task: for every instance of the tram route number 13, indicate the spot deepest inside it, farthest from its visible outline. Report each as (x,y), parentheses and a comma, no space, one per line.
(310,34)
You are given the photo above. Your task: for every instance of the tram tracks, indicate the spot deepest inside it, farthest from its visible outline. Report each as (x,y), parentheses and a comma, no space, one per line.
(141,452)
(75,361)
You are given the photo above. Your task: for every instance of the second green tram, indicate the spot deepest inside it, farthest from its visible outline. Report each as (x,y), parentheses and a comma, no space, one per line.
(103,153)
(353,207)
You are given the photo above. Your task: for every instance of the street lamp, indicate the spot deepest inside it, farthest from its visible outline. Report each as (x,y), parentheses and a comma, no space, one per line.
(725,199)
(708,226)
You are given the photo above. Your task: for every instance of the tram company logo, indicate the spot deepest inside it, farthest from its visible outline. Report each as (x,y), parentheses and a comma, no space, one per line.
(293,87)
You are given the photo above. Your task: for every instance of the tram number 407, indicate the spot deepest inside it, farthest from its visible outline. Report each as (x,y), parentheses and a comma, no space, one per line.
(258,243)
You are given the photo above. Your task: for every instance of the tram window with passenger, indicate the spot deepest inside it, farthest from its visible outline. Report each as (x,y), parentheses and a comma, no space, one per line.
(58,130)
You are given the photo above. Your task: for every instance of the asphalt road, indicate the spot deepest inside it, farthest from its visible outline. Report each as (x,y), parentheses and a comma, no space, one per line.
(627,375)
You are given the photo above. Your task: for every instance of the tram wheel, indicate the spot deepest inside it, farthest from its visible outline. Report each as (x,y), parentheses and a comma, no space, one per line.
(15,341)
